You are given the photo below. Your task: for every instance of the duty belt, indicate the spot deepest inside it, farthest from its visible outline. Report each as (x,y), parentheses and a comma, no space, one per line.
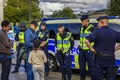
(101,54)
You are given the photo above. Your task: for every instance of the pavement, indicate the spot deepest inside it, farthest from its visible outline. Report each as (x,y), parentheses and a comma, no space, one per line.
(52,76)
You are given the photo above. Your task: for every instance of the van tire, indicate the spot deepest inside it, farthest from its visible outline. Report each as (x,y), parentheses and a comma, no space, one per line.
(53,64)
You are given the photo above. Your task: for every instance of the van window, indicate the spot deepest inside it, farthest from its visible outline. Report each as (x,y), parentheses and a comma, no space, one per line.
(115,26)
(54,27)
(75,29)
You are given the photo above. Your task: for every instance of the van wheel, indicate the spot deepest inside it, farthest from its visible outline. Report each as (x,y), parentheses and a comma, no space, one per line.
(53,64)
(117,75)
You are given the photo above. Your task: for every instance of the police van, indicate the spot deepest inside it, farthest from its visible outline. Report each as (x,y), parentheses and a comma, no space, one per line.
(73,25)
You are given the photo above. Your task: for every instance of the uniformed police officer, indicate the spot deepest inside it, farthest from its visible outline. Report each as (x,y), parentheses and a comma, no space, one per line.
(20,38)
(64,43)
(85,55)
(104,39)
(43,36)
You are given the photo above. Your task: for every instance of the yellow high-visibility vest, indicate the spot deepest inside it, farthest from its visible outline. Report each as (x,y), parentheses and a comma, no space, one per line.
(21,37)
(83,37)
(65,44)
(41,35)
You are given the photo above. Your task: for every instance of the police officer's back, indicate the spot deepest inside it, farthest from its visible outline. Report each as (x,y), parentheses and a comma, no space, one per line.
(104,46)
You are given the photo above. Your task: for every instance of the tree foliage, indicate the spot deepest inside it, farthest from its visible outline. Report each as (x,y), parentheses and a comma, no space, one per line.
(65,13)
(17,10)
(113,8)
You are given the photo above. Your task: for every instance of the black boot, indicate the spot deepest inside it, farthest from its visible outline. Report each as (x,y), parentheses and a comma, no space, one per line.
(15,71)
(63,78)
(46,73)
(69,77)
(82,79)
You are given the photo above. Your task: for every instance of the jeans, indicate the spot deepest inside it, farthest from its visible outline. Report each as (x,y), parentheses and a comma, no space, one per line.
(6,65)
(29,71)
(38,73)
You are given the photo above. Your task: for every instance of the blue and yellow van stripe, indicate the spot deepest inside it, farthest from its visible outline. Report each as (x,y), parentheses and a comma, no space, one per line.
(75,62)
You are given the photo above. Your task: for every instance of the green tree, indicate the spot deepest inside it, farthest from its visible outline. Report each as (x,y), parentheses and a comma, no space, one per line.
(65,13)
(113,7)
(17,10)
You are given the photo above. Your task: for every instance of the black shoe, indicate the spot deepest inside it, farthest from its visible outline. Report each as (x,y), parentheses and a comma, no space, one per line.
(46,73)
(82,79)
(15,71)
(63,78)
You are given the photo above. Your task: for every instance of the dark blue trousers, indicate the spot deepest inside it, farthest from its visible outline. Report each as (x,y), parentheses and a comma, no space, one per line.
(65,65)
(86,57)
(29,70)
(19,59)
(106,64)
(47,55)
(6,65)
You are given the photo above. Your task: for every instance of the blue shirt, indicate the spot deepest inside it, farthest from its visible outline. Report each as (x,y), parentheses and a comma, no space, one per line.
(104,39)
(16,29)
(30,36)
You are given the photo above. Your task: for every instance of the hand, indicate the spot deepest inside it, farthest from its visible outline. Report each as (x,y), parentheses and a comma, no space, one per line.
(93,50)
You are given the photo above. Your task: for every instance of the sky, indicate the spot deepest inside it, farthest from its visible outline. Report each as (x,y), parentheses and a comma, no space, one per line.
(49,6)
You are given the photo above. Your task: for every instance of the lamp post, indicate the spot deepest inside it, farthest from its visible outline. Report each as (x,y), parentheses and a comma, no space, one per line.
(29,11)
(1,11)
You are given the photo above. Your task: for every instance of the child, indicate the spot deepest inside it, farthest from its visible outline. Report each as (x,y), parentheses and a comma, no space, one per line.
(37,58)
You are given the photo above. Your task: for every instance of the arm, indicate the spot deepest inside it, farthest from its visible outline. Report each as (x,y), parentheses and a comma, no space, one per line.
(89,39)
(45,39)
(6,41)
(89,46)
(72,42)
(117,48)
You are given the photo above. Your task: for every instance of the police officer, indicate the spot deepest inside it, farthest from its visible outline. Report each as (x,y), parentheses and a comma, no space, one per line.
(85,55)
(104,39)
(20,38)
(30,36)
(43,36)
(64,43)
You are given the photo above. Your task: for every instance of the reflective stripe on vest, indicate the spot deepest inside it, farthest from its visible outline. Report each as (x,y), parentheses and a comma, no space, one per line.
(21,37)
(63,45)
(83,37)
(41,35)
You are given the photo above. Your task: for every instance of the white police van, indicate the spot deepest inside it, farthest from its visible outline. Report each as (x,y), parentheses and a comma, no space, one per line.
(73,25)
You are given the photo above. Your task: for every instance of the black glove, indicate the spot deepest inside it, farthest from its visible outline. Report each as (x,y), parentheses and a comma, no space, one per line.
(79,47)
(60,51)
